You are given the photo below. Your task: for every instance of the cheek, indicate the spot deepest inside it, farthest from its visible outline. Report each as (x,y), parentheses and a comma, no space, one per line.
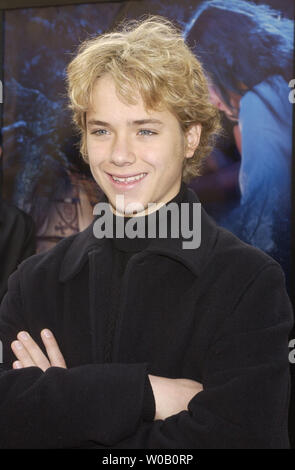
(90,147)
(154,160)
(149,153)
(159,153)
(95,152)
(166,157)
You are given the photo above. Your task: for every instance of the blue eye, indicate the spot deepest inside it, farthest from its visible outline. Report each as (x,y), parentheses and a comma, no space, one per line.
(99,132)
(147,132)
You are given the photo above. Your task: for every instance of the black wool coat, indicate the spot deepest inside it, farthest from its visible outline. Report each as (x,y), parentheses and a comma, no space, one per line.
(218,314)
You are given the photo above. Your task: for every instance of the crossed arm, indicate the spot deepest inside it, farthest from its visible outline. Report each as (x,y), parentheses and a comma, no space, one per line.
(171,395)
(245,376)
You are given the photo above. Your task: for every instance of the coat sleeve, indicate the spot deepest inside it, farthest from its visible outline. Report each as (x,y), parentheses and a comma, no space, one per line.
(244,403)
(246,380)
(64,408)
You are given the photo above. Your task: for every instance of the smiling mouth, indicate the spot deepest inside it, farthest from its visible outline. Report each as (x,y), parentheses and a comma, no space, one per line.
(127,179)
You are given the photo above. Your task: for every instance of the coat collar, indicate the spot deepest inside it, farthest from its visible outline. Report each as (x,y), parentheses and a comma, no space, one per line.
(194,259)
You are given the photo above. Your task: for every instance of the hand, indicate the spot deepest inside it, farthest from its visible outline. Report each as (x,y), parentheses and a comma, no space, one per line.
(172,395)
(29,354)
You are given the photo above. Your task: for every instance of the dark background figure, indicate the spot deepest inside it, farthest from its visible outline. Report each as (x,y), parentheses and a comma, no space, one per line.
(248,59)
(17,236)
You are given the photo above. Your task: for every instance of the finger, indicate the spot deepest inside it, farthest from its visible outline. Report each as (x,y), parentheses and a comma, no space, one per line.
(17,365)
(22,354)
(39,358)
(55,356)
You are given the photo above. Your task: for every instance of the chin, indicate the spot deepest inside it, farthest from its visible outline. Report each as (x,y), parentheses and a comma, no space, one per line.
(133,208)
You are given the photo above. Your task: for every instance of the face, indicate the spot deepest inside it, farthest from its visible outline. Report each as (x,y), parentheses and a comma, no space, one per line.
(133,152)
(231,114)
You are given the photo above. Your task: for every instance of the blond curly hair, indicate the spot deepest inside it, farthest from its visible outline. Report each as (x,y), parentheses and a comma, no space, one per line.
(148,55)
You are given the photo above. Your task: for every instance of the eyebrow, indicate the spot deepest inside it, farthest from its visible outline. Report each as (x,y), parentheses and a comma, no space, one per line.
(138,122)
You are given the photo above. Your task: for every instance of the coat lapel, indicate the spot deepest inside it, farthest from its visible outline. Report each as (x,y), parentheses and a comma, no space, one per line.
(100,271)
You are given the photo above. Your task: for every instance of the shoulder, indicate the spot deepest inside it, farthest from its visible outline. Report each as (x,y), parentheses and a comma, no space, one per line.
(249,284)
(240,263)
(224,257)
(232,248)
(266,100)
(48,261)
(58,263)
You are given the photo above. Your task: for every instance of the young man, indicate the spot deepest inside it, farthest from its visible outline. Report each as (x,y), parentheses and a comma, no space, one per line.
(145,342)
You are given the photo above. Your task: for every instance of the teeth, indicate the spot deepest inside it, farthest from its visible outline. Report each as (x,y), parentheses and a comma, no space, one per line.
(131,178)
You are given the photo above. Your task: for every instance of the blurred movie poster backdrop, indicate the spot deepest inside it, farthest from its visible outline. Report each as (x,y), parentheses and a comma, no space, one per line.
(246,48)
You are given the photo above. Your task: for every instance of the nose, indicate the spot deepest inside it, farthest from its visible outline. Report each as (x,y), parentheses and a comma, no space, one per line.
(122,151)
(221,106)
(216,100)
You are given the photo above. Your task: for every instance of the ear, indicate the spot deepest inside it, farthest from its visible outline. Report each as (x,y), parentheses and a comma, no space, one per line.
(192,137)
